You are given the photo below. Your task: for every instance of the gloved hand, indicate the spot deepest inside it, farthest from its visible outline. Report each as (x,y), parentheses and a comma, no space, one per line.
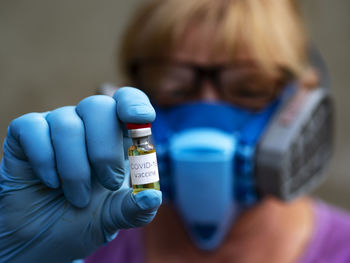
(61,177)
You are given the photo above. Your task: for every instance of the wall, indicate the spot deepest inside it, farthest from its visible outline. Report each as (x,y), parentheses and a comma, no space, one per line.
(328,23)
(54,53)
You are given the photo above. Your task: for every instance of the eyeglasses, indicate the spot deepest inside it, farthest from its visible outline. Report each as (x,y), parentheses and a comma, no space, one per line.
(171,83)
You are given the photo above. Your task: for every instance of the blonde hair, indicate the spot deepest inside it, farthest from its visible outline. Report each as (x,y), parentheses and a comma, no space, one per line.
(270,31)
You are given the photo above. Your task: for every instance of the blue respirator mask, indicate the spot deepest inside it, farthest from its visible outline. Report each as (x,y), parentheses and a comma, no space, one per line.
(217,159)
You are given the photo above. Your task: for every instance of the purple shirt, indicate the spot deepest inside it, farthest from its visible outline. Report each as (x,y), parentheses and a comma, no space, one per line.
(330,241)
(331,238)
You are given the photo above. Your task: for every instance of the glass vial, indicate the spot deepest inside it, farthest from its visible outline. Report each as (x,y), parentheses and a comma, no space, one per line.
(142,159)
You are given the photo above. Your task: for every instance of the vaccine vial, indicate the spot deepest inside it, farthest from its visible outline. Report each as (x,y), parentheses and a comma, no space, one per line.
(142,158)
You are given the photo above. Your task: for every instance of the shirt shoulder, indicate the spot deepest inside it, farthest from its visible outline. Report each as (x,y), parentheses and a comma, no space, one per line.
(331,236)
(126,247)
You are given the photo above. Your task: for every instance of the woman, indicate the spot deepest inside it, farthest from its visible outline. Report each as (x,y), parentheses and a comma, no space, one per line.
(255,48)
(202,63)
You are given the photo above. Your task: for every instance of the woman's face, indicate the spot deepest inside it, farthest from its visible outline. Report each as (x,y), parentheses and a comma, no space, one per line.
(194,72)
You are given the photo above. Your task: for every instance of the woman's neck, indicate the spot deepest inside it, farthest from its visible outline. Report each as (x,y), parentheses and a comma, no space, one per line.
(272,231)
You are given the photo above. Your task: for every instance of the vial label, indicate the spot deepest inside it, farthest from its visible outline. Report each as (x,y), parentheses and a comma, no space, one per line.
(143,169)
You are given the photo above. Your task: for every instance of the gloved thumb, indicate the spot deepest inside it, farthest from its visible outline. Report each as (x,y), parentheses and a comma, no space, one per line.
(126,210)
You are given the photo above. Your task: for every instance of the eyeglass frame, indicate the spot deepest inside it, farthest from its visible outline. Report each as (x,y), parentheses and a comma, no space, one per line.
(202,72)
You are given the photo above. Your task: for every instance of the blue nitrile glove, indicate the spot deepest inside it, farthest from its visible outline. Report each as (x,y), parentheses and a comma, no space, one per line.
(60,175)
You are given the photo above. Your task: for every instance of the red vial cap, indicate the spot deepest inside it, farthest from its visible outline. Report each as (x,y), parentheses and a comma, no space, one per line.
(133,126)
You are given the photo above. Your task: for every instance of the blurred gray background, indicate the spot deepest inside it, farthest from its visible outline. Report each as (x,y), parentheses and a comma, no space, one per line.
(54,53)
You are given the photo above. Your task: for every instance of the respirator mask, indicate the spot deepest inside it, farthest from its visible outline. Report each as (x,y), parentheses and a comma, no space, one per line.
(216,159)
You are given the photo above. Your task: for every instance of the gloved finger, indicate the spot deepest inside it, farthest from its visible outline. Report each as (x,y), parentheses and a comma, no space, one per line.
(140,209)
(68,139)
(31,132)
(133,106)
(104,139)
(126,210)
